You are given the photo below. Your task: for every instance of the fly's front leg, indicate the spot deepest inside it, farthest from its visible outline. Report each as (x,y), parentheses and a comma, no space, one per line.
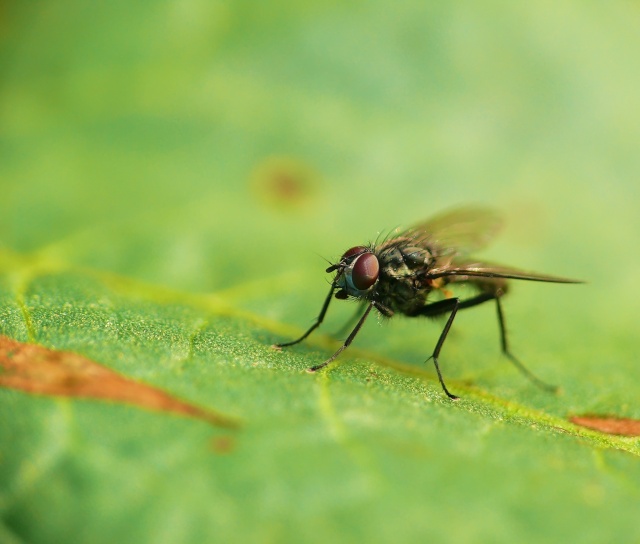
(352,321)
(313,327)
(347,342)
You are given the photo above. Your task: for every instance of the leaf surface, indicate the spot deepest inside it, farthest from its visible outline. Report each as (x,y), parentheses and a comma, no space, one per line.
(173,175)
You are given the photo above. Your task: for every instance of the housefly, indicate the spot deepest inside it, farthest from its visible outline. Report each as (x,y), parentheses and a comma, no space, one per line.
(400,274)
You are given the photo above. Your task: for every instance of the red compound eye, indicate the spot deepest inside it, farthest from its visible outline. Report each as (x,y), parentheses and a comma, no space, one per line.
(358,250)
(365,271)
(353,252)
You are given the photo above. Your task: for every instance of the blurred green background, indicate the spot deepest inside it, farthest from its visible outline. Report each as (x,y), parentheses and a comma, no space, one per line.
(172,175)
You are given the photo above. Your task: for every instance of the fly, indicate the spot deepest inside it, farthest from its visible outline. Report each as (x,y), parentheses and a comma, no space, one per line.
(400,274)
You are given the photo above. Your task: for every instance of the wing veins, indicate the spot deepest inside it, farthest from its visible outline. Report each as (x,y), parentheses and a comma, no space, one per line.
(480,271)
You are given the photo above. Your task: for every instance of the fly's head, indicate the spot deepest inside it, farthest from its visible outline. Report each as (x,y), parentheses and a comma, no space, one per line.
(357,272)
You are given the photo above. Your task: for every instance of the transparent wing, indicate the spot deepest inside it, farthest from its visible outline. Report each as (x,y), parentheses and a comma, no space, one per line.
(463,271)
(456,232)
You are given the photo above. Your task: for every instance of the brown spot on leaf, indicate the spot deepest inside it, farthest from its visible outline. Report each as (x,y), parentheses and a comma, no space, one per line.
(284,183)
(609,424)
(223,444)
(36,369)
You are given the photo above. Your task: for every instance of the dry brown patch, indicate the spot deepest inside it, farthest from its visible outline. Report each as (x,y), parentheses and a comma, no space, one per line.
(39,370)
(609,424)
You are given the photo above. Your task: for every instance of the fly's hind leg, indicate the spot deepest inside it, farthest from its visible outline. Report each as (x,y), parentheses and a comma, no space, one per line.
(505,349)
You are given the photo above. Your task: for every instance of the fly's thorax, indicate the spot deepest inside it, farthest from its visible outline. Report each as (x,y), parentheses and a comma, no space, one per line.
(402,287)
(404,260)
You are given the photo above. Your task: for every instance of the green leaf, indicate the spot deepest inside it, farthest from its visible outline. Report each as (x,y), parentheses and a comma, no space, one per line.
(171,174)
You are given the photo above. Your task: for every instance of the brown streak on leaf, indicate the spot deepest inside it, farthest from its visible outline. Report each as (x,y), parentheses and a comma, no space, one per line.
(39,370)
(609,424)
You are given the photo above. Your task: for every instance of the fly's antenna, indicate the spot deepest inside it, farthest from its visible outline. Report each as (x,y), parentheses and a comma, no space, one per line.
(331,263)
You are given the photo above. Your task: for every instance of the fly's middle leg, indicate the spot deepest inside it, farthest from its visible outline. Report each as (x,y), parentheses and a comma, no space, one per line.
(451,306)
